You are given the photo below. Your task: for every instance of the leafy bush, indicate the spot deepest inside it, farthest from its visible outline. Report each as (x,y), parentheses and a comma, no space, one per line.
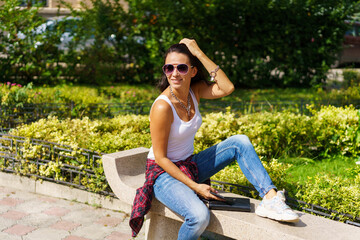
(92,95)
(109,135)
(115,55)
(336,193)
(329,131)
(233,174)
(14,94)
(301,40)
(351,78)
(22,58)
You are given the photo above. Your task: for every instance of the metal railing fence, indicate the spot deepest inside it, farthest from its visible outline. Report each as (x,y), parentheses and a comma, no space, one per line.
(72,167)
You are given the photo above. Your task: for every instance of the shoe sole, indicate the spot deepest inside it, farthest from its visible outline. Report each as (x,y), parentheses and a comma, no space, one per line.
(263,212)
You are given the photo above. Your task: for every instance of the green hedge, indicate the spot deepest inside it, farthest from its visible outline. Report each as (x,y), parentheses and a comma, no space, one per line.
(274,135)
(329,131)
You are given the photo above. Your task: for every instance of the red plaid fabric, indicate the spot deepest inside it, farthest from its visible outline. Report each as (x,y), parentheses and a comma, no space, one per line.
(143,198)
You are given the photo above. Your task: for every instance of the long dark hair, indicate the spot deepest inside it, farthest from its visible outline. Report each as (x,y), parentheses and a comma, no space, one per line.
(194,61)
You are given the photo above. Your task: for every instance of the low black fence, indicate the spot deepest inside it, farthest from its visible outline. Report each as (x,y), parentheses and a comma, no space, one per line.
(82,168)
(12,116)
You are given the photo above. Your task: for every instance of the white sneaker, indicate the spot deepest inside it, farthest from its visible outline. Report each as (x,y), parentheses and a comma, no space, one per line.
(275,208)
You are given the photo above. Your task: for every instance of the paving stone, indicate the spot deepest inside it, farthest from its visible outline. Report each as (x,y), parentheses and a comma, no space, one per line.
(93,231)
(27,216)
(19,230)
(38,220)
(47,199)
(118,236)
(46,234)
(75,238)
(65,225)
(6,223)
(6,191)
(14,215)
(23,195)
(6,236)
(109,221)
(33,206)
(4,208)
(8,201)
(57,211)
(84,216)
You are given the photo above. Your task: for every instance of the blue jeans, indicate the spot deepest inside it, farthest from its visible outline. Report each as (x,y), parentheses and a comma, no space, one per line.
(184,201)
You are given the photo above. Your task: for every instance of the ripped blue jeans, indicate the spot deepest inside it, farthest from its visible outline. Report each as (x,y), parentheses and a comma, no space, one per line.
(184,201)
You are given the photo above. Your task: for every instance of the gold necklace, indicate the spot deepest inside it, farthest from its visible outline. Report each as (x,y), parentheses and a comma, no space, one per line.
(188,107)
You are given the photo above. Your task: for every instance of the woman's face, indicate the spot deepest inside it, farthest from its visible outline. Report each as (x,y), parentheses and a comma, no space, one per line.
(176,79)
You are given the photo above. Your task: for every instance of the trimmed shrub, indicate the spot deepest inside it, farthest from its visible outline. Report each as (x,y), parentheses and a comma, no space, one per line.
(25,55)
(336,193)
(329,131)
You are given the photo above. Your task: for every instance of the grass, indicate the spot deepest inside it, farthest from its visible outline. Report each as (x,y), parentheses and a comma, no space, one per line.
(147,92)
(302,168)
(275,94)
(119,93)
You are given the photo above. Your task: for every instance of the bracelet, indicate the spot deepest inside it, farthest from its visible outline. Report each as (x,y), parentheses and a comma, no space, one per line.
(213,74)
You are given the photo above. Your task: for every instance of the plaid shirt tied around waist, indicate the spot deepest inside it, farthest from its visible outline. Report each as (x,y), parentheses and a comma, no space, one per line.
(144,194)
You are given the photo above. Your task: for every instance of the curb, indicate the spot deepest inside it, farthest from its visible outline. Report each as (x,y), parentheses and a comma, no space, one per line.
(61,191)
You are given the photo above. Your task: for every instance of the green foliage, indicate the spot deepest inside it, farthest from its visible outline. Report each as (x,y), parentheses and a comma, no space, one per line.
(267,43)
(302,168)
(329,131)
(336,193)
(109,135)
(15,95)
(22,58)
(125,93)
(117,93)
(110,44)
(351,78)
(114,55)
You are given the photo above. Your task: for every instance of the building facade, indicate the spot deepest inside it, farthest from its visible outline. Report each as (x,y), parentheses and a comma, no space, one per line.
(51,7)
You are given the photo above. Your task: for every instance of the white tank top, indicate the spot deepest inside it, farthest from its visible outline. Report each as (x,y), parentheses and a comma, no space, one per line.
(182,134)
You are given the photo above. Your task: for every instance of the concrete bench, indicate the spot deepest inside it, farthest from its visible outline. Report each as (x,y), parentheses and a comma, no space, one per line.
(125,172)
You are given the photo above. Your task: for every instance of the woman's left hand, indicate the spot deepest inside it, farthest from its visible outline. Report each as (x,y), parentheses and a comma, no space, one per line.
(192,46)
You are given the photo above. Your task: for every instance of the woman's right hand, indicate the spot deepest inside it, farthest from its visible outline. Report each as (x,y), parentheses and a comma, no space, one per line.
(204,191)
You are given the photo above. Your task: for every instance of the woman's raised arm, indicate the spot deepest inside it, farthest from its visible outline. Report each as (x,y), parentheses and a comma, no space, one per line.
(222,86)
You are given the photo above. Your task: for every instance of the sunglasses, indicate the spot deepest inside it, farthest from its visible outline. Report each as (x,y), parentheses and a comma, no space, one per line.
(182,68)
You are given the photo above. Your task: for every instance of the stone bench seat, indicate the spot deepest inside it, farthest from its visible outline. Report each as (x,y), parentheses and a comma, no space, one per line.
(125,172)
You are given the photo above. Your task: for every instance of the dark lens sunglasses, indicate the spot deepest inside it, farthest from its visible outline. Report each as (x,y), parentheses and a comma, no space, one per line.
(182,68)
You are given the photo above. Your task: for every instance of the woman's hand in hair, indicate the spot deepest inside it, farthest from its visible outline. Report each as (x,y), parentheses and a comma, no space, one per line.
(192,46)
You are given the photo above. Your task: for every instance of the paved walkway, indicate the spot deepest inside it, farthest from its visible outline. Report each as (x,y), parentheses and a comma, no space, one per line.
(29,216)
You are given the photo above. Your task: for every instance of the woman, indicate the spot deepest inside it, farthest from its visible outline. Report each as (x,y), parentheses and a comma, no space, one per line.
(174,174)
